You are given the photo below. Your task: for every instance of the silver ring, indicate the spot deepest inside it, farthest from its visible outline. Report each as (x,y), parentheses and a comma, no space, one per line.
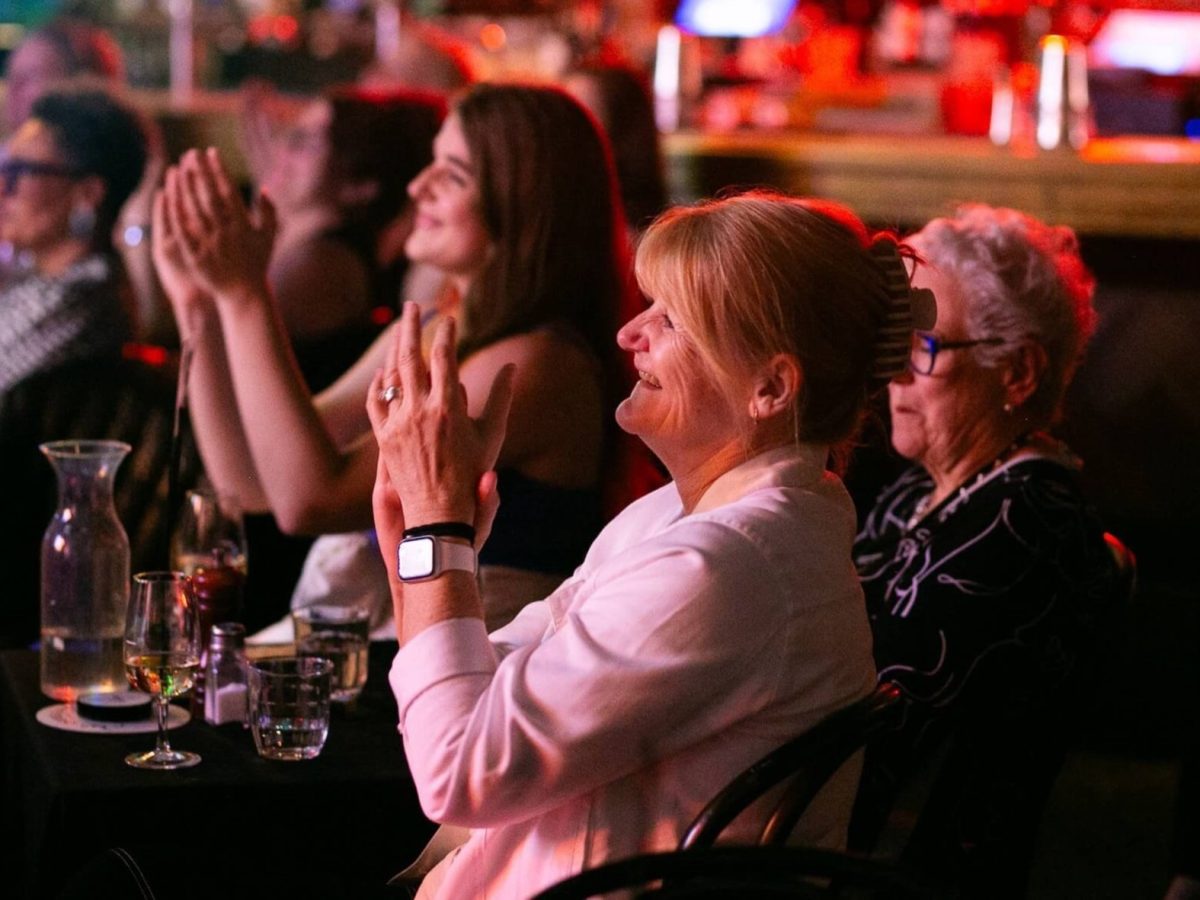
(389,393)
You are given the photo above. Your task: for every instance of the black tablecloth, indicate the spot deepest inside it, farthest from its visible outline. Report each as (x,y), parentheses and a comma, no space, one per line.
(352,813)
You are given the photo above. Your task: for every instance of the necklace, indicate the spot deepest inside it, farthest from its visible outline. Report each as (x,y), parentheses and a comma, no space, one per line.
(925,506)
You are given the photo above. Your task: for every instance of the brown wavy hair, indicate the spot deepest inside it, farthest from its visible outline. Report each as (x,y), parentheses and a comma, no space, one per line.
(549,201)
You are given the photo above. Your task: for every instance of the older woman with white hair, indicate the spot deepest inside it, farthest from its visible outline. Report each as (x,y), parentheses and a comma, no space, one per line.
(986,574)
(711,621)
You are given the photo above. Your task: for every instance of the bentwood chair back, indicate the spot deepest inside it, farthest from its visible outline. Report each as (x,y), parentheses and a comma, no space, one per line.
(745,873)
(806,763)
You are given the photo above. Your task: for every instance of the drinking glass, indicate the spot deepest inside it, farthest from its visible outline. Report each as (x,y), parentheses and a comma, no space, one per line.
(340,634)
(210,548)
(289,706)
(162,653)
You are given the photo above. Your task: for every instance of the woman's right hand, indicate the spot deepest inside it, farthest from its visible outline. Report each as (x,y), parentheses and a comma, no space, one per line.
(225,247)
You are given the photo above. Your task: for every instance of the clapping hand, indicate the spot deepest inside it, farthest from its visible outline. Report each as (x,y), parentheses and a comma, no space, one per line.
(436,461)
(209,234)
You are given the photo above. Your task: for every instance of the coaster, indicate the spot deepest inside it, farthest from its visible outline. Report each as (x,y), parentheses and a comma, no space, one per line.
(120,706)
(65,717)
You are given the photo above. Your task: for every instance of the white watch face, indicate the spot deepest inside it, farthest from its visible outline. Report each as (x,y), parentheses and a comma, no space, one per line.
(415,558)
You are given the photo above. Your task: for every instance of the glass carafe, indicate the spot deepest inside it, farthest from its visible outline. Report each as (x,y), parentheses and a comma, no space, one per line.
(85,573)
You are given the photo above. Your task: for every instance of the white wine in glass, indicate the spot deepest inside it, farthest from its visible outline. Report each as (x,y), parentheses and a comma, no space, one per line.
(162,653)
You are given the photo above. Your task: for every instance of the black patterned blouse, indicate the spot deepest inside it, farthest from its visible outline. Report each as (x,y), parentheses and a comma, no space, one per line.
(992,597)
(986,611)
(47,322)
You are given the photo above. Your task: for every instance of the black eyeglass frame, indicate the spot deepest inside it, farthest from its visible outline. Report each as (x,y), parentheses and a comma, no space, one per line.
(933,345)
(13,169)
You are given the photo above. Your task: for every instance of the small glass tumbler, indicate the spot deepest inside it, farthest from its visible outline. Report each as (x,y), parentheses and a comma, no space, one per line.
(341,634)
(347,652)
(289,706)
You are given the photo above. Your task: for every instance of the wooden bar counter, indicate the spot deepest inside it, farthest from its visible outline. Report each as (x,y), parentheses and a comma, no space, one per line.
(1133,187)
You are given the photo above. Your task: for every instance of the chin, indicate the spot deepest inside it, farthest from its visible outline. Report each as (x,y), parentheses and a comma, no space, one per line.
(626,420)
(907,449)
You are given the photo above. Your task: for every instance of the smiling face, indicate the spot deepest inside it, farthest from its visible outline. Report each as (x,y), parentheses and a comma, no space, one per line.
(299,175)
(35,214)
(677,406)
(940,419)
(448,228)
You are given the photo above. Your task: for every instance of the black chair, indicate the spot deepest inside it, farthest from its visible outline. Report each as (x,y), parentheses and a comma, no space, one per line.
(966,818)
(1126,565)
(806,762)
(742,872)
(131,400)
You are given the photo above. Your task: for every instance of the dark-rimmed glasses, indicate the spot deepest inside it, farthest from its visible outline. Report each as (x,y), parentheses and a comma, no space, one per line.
(13,169)
(927,345)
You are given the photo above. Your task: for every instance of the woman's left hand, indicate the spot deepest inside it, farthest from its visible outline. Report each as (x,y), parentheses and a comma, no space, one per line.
(226,246)
(438,459)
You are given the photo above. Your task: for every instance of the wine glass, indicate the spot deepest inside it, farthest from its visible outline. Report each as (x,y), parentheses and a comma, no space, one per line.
(210,547)
(162,653)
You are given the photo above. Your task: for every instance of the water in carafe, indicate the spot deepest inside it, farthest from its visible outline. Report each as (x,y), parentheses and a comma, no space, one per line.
(85,573)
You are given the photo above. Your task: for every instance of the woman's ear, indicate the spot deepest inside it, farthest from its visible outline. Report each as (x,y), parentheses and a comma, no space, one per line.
(1024,373)
(776,386)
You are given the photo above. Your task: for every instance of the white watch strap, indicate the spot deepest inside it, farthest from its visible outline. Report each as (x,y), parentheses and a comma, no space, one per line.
(453,555)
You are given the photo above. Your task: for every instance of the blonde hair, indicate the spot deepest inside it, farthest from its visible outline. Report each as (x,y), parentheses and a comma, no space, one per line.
(761,273)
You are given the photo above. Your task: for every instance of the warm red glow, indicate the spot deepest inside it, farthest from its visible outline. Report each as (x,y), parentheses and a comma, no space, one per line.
(987,7)
(150,354)
(277,29)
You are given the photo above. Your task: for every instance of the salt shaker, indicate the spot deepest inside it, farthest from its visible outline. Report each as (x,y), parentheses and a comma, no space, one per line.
(225,681)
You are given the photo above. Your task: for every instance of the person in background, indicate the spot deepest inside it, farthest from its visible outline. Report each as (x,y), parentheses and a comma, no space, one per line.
(337,177)
(620,100)
(987,576)
(337,174)
(65,174)
(61,50)
(67,50)
(517,211)
(711,621)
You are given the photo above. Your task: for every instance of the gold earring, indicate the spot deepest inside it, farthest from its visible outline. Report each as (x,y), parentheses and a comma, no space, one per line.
(754,414)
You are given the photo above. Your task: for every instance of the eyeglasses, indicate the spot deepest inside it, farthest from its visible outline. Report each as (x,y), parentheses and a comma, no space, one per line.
(926,347)
(13,169)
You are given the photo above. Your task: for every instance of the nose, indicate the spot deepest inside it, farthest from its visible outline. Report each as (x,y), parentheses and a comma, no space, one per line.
(631,336)
(416,187)
(904,376)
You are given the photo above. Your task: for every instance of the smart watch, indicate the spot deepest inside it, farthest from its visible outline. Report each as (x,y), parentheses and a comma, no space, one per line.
(427,556)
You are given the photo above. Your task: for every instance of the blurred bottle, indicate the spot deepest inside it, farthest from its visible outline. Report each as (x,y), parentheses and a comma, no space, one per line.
(1063,109)
(1013,97)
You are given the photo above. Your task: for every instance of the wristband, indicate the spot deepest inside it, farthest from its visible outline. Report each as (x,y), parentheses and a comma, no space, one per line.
(443,529)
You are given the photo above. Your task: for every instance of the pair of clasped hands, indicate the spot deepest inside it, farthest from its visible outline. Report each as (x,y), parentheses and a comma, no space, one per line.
(436,462)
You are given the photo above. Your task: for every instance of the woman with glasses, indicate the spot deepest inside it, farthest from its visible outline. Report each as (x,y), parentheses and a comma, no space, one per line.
(985,572)
(64,176)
